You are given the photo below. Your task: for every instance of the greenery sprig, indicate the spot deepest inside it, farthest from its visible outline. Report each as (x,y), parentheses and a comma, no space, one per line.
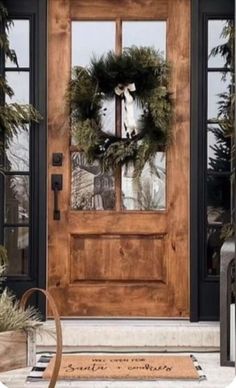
(90,87)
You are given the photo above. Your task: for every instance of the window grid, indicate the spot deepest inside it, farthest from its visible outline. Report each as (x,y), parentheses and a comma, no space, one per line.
(18,232)
(213,227)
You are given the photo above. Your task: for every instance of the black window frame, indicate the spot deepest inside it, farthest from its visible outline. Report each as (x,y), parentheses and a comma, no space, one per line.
(36,12)
(204,292)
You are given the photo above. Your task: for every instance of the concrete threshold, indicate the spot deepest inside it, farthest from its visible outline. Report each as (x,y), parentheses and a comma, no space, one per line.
(132,335)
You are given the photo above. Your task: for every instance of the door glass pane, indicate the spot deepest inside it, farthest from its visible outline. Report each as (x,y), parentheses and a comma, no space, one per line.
(216,38)
(17,152)
(94,39)
(17,199)
(16,241)
(218,149)
(148,192)
(19,42)
(91,189)
(19,82)
(91,39)
(217,84)
(145,33)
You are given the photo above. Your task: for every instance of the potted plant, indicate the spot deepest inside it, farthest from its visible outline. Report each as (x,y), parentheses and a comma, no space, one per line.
(17,328)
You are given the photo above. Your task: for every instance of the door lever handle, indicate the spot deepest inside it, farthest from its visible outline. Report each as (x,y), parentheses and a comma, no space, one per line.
(57,185)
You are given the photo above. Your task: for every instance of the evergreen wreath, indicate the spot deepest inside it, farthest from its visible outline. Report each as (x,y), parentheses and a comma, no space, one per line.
(139,74)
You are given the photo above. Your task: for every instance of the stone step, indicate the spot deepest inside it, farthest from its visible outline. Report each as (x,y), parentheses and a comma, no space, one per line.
(132,335)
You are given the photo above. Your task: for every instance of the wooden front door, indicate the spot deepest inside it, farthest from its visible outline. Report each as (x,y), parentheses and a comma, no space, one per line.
(123,251)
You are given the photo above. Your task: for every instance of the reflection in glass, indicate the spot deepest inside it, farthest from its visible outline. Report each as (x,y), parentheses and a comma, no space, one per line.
(17,152)
(19,36)
(218,198)
(218,149)
(142,33)
(214,244)
(19,82)
(148,192)
(219,184)
(91,189)
(215,38)
(16,199)
(91,39)
(145,33)
(100,38)
(217,84)
(16,241)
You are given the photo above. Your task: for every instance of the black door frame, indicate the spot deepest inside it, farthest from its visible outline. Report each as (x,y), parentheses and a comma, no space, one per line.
(204,294)
(36,12)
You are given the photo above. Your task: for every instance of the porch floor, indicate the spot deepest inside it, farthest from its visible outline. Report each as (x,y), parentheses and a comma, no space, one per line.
(217,377)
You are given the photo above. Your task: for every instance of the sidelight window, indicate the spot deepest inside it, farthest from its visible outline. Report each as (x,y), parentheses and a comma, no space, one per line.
(219,118)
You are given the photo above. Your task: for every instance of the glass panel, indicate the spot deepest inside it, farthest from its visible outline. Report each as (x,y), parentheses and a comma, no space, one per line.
(217,84)
(90,188)
(17,152)
(16,241)
(145,33)
(219,149)
(19,82)
(215,241)
(148,192)
(91,38)
(17,199)
(218,199)
(100,38)
(19,41)
(215,38)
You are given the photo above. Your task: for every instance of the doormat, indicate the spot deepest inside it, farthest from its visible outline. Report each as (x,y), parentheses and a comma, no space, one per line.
(119,367)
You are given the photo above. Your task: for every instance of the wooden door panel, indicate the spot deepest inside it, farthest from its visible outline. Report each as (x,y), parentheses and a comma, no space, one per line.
(120,263)
(114,222)
(117,300)
(117,258)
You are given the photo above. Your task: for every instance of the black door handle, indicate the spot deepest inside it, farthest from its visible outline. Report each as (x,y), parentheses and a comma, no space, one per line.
(57,184)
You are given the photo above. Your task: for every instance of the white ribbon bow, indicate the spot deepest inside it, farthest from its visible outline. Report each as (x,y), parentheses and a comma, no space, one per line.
(124,89)
(129,121)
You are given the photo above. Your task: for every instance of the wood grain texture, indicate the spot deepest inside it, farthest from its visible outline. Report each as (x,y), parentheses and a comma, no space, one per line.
(178,52)
(125,9)
(83,281)
(118,222)
(13,350)
(115,300)
(118,253)
(59,68)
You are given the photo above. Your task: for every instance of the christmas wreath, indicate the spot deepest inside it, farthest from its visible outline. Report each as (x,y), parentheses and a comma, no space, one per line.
(139,76)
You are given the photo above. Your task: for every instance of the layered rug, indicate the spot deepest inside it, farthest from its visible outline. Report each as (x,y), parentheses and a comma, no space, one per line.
(119,367)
